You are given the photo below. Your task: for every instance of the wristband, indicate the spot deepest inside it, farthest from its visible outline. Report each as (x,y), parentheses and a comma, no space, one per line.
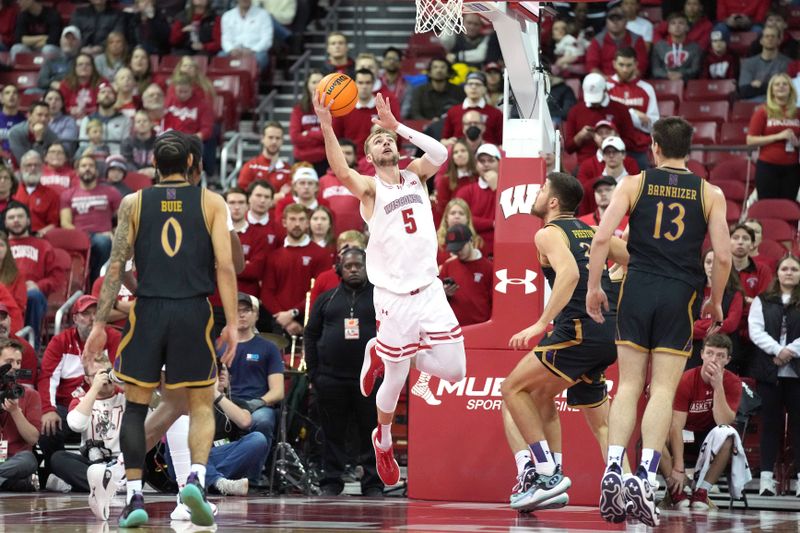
(218,399)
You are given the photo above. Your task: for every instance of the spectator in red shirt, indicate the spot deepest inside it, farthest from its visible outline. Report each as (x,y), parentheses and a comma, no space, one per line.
(91,207)
(57,173)
(491,117)
(468,277)
(196,30)
(720,63)
(741,14)
(732,307)
(699,25)
(189,111)
(392,79)
(481,195)
(290,269)
(20,425)
(706,402)
(42,201)
(12,282)
(329,279)
(758,230)
(755,277)
(268,165)
(343,205)
(775,128)
(455,212)
(596,106)
(613,163)
(36,262)
(260,212)
(62,373)
(304,130)
(337,60)
(602,190)
(79,87)
(305,189)
(358,123)
(600,55)
(461,170)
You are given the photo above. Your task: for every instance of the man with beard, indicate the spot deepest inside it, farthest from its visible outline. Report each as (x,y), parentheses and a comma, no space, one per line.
(415,318)
(341,322)
(91,207)
(603,188)
(29,373)
(116,126)
(438,95)
(289,270)
(36,261)
(34,133)
(62,373)
(42,201)
(268,165)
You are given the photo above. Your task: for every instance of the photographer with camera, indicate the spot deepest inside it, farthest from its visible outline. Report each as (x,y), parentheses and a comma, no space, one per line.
(20,423)
(96,414)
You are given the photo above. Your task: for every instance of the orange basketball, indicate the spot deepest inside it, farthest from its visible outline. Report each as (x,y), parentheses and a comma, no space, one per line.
(341,89)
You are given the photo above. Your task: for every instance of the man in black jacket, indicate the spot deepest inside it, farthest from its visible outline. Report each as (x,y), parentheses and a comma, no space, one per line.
(341,322)
(96,21)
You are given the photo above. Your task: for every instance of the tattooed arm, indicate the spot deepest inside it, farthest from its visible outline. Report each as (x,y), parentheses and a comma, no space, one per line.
(121,251)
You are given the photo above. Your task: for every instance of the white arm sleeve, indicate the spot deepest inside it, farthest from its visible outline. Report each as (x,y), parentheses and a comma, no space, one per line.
(434,150)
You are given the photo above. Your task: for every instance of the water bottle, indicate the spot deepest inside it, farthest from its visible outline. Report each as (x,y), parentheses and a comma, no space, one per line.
(194,35)
(789,145)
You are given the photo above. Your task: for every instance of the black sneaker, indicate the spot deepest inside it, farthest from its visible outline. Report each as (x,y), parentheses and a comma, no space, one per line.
(612,499)
(134,515)
(640,499)
(194,497)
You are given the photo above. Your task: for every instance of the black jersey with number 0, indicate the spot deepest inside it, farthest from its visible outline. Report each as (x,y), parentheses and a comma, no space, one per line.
(173,251)
(578,236)
(668,226)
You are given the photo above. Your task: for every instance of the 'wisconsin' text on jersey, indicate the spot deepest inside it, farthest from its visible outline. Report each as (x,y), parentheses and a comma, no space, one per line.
(403,201)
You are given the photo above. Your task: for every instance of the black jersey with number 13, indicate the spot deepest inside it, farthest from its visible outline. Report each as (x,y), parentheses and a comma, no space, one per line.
(668,226)
(173,251)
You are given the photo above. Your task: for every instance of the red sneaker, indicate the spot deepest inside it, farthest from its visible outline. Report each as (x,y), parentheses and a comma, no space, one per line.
(371,369)
(680,500)
(388,469)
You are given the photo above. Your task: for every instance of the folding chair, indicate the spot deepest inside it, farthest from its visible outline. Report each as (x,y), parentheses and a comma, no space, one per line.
(709,90)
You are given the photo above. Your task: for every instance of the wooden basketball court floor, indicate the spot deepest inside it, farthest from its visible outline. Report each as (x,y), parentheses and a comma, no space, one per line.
(57,513)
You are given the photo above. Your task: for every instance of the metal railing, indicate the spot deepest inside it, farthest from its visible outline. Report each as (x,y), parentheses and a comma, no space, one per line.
(265,111)
(226,178)
(303,62)
(28,334)
(331,20)
(63,310)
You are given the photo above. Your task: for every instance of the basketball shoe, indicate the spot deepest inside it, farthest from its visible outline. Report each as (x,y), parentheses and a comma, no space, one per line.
(524,482)
(388,469)
(422,389)
(371,369)
(701,502)
(134,515)
(103,483)
(640,499)
(182,513)
(194,497)
(542,489)
(612,500)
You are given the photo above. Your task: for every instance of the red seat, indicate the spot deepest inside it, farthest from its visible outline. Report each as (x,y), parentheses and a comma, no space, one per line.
(137,181)
(704,133)
(733,190)
(667,108)
(243,68)
(716,111)
(225,111)
(733,168)
(740,42)
(733,212)
(787,210)
(168,63)
(227,64)
(77,244)
(709,90)
(668,90)
(734,133)
(772,249)
(425,44)
(742,111)
(231,84)
(777,230)
(154,63)
(569,162)
(414,65)
(697,168)
(28,61)
(22,79)
(63,262)
(26,99)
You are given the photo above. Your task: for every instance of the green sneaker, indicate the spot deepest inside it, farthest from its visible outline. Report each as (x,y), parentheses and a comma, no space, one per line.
(134,514)
(194,497)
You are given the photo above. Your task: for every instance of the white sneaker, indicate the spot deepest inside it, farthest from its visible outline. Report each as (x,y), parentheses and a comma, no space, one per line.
(56,484)
(232,487)
(103,482)
(182,513)
(767,485)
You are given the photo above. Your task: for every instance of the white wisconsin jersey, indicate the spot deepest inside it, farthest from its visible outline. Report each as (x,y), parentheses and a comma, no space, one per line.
(401,254)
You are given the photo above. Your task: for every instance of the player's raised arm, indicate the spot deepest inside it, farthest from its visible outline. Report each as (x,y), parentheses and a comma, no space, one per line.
(435,152)
(552,248)
(721,244)
(357,184)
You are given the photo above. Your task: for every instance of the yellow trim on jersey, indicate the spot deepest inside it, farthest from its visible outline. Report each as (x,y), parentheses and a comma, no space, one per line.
(619,302)
(703,198)
(209,327)
(638,195)
(633,345)
(132,381)
(559,228)
(552,368)
(127,338)
(203,208)
(672,351)
(589,405)
(184,384)
(566,344)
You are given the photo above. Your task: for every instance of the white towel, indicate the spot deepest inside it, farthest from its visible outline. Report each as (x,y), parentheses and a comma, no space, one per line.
(740,470)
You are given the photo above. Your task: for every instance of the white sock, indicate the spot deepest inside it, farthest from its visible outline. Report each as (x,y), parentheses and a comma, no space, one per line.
(543,458)
(650,460)
(615,455)
(134,486)
(558,457)
(200,470)
(522,458)
(178,440)
(386,437)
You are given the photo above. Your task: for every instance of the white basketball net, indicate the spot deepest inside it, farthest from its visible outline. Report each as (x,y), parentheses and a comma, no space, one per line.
(442,17)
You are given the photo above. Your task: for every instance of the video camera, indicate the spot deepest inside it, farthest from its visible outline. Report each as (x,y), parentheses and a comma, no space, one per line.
(9,388)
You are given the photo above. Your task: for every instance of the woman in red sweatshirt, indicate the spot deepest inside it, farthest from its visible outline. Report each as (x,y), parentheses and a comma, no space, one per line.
(79,87)
(10,276)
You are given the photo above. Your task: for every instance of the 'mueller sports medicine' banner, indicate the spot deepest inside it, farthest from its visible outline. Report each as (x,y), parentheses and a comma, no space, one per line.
(457,450)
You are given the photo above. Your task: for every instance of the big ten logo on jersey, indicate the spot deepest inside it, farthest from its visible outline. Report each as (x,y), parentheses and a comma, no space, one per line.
(519,199)
(505,281)
(172,206)
(483,394)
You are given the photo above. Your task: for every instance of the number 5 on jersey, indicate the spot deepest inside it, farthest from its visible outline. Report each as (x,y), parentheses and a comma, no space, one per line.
(408,220)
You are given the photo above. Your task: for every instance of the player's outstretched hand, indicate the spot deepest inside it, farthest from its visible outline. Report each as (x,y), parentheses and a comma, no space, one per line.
(230,338)
(95,344)
(596,303)
(520,340)
(323,111)
(385,118)
(714,312)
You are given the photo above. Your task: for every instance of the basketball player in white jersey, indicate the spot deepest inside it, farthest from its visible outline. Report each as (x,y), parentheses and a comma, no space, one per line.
(414,318)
